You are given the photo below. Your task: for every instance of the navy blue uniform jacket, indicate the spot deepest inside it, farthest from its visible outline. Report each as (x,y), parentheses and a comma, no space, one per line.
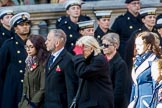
(4,35)
(125,25)
(12,68)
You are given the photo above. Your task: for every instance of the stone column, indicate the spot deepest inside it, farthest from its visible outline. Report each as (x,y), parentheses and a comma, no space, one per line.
(35,27)
(43,28)
(51,24)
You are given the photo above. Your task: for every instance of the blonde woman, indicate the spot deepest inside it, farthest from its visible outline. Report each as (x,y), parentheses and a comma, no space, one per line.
(92,67)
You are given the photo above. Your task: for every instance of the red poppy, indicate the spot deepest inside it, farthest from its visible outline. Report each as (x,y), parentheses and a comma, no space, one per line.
(58,69)
(33,66)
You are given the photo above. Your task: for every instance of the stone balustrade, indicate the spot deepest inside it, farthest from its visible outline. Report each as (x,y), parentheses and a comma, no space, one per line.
(44,16)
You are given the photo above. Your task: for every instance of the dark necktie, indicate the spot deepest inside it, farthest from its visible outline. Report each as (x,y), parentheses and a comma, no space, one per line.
(50,61)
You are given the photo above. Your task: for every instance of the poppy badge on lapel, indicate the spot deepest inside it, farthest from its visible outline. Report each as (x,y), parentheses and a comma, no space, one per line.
(58,69)
(33,66)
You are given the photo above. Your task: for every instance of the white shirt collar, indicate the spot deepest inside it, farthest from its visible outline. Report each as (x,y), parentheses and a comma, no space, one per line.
(56,54)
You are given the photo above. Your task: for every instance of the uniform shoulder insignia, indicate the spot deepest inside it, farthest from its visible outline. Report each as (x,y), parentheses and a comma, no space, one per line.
(61,18)
(60,21)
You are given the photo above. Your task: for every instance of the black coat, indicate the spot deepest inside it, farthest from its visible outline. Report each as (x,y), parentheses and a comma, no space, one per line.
(12,68)
(119,77)
(125,25)
(98,34)
(4,35)
(60,82)
(71,30)
(97,89)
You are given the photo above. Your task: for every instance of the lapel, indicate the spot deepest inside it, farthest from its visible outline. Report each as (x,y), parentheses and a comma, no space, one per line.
(142,67)
(145,64)
(57,61)
(134,76)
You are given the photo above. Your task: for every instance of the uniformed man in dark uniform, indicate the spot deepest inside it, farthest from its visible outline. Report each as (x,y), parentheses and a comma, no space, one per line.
(12,61)
(126,24)
(69,23)
(86,28)
(103,21)
(5,29)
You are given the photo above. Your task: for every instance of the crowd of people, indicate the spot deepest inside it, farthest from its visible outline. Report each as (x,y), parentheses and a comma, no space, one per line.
(31,2)
(77,65)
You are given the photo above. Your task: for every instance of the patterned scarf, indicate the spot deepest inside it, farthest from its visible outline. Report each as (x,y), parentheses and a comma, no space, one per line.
(141,58)
(30,60)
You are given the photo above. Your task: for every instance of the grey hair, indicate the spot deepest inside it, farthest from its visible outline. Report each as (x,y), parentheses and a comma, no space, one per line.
(112,38)
(59,34)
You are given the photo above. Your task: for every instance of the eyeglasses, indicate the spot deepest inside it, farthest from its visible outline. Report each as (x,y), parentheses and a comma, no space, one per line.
(28,47)
(106,45)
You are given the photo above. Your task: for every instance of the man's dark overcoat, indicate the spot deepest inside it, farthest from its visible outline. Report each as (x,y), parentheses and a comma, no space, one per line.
(60,82)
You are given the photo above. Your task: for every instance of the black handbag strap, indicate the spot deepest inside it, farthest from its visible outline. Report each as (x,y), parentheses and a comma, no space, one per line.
(77,94)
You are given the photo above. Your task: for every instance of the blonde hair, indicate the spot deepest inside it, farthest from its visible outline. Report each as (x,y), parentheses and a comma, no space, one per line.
(112,38)
(158,63)
(91,42)
(59,33)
